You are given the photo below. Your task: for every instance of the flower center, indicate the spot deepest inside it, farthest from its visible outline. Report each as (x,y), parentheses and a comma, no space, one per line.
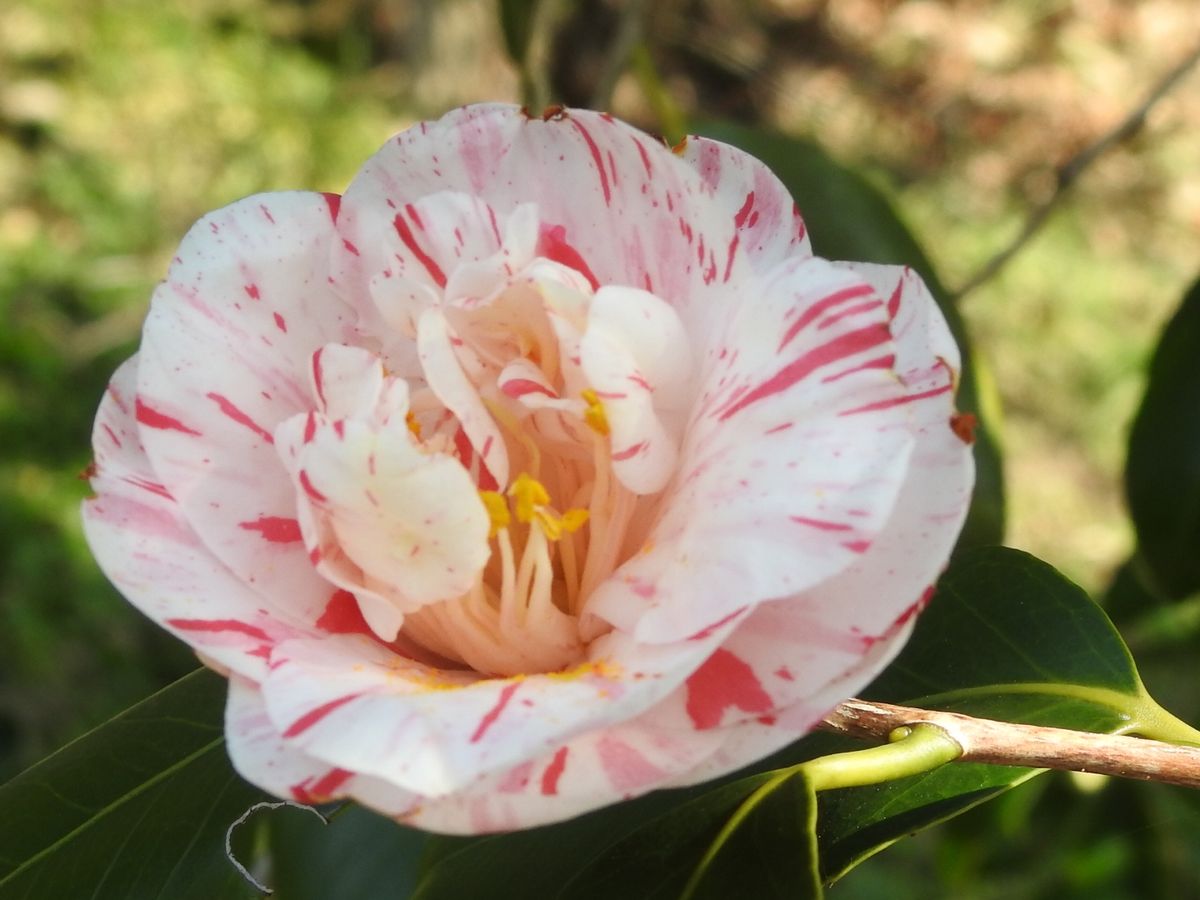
(563,522)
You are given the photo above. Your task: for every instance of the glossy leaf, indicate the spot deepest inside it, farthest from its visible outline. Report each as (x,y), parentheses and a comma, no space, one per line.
(749,837)
(137,808)
(849,218)
(752,838)
(309,860)
(1006,637)
(1162,476)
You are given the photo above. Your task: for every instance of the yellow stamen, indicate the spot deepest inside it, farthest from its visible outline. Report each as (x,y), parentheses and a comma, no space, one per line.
(497,510)
(413,425)
(594,415)
(528,493)
(573,519)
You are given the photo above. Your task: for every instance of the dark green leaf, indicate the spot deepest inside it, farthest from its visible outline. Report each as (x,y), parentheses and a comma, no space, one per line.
(137,808)
(753,838)
(696,844)
(850,218)
(516,22)
(1008,638)
(1162,477)
(358,856)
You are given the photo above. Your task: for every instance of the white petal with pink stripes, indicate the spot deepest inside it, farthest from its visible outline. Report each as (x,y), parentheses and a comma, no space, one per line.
(545,467)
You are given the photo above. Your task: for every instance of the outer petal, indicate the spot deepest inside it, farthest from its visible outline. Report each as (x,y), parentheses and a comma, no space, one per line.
(844,630)
(225,358)
(356,705)
(145,546)
(769,227)
(614,204)
(596,769)
(781,487)
(262,757)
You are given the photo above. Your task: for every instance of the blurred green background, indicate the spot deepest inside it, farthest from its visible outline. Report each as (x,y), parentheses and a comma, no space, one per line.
(122,121)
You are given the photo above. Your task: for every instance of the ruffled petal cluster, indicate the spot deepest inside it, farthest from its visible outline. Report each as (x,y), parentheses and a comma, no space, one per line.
(543,468)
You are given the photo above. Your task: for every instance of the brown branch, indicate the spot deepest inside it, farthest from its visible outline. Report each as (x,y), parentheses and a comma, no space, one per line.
(1070,172)
(1033,746)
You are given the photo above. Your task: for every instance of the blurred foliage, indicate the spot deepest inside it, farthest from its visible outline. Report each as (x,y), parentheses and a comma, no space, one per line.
(123,121)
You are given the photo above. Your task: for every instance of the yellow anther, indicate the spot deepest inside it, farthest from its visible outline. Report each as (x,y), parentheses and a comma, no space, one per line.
(573,519)
(413,425)
(528,493)
(497,510)
(550,523)
(594,415)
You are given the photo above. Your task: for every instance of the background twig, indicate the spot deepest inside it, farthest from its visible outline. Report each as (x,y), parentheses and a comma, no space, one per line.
(1070,172)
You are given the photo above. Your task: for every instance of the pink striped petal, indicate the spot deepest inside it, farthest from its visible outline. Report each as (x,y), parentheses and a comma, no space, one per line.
(357,705)
(613,204)
(146,547)
(218,372)
(263,758)
(768,224)
(774,472)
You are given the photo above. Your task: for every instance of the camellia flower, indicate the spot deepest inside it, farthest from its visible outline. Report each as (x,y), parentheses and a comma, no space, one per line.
(545,467)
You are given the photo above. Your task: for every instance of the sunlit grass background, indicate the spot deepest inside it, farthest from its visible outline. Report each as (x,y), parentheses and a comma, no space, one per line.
(123,121)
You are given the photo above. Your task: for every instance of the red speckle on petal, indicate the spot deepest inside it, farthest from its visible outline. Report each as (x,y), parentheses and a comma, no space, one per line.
(220,625)
(240,417)
(898,401)
(597,159)
(318,791)
(334,203)
(152,418)
(857,546)
(490,717)
(553,245)
(266,212)
(251,291)
(554,772)
(276,529)
(724,620)
(821,307)
(724,680)
(342,616)
(410,241)
(881,362)
(845,345)
(744,213)
(313,716)
(629,452)
(820,524)
(519,387)
(785,673)
(644,155)
(280,323)
(312,492)
(318,378)
(349,246)
(733,245)
(893,304)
